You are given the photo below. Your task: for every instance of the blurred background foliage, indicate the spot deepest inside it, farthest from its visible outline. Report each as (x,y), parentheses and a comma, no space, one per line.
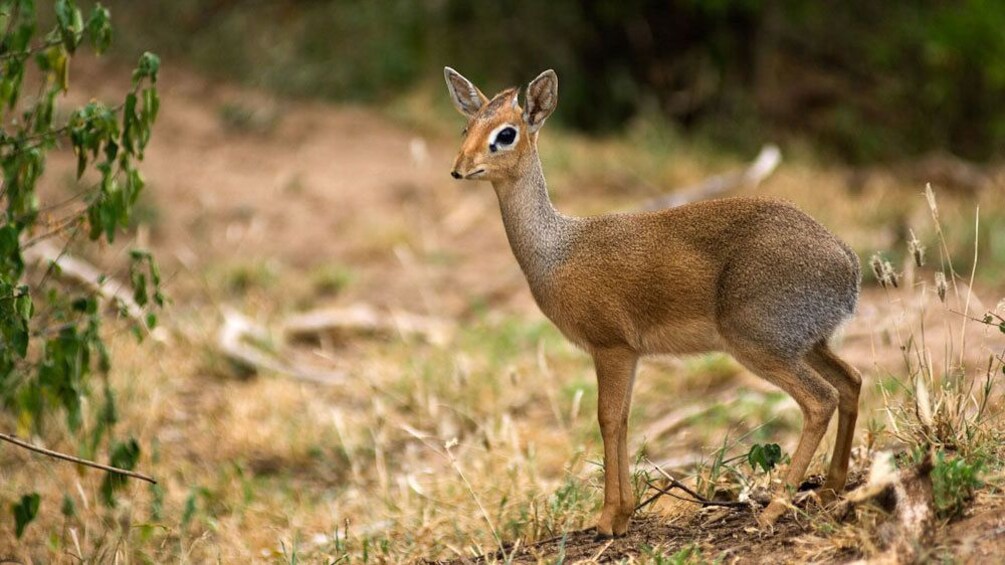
(863,80)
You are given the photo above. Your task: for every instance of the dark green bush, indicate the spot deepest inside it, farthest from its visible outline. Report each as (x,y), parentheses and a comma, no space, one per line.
(864,80)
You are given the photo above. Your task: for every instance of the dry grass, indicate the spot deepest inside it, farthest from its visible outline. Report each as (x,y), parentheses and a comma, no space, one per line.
(430,452)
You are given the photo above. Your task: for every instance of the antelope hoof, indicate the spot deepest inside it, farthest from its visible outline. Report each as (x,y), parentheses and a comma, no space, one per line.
(620,525)
(605,525)
(771,514)
(610,527)
(827,495)
(831,491)
(601,536)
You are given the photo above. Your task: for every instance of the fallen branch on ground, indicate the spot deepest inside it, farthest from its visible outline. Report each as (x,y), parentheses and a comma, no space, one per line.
(246,344)
(86,274)
(695,497)
(363,318)
(57,455)
(761,168)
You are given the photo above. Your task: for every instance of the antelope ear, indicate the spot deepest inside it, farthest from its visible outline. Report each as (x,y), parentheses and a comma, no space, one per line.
(465,95)
(542,98)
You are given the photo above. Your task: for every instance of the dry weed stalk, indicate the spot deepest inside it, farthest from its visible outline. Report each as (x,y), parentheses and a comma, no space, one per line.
(467,484)
(947,408)
(944,410)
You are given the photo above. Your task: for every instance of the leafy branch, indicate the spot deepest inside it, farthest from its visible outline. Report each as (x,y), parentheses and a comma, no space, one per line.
(57,455)
(52,333)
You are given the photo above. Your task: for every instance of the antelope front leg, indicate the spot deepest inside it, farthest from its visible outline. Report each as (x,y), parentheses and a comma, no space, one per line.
(615,374)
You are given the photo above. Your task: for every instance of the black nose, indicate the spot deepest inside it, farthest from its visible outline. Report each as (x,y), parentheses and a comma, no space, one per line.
(455,174)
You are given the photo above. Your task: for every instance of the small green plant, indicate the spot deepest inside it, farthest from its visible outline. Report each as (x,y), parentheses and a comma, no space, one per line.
(688,555)
(240,278)
(570,499)
(329,280)
(765,456)
(955,479)
(946,406)
(241,118)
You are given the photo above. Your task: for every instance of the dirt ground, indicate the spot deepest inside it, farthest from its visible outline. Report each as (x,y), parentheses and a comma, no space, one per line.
(280,190)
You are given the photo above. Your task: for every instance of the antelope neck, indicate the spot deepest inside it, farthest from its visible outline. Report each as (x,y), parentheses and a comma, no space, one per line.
(538,234)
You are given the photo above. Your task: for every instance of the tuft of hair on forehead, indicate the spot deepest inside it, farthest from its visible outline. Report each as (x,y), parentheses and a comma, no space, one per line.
(505,98)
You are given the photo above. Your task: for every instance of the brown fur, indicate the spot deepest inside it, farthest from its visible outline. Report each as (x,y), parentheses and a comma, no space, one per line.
(753,277)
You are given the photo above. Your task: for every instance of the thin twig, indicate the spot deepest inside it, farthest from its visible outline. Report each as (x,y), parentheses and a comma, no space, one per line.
(471,490)
(700,500)
(30,51)
(57,455)
(696,498)
(970,287)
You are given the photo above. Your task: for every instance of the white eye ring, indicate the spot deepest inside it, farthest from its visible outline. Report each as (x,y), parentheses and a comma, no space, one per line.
(495,145)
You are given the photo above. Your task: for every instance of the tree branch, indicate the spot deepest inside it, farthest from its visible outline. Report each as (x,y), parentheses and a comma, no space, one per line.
(86,274)
(759,169)
(57,455)
(695,497)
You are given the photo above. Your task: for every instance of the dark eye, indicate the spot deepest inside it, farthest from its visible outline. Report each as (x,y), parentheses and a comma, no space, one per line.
(506,136)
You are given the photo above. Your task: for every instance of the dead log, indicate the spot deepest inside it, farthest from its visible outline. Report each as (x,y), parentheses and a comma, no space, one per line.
(761,168)
(249,346)
(86,274)
(337,323)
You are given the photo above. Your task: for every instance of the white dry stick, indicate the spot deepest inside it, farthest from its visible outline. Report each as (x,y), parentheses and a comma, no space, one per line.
(365,319)
(86,274)
(761,168)
(243,342)
(970,288)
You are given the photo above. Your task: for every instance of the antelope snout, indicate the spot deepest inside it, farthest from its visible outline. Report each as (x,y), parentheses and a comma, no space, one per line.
(468,173)
(465,167)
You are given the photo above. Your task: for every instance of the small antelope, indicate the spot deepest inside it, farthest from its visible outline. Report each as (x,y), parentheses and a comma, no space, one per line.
(753,277)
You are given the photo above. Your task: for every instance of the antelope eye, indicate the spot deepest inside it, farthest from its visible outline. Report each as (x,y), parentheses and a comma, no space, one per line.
(506,136)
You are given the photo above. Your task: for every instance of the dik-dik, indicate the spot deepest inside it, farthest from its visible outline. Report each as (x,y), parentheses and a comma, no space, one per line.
(753,277)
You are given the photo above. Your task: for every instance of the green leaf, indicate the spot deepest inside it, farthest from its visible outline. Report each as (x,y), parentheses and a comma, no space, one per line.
(765,456)
(99,28)
(25,512)
(23,304)
(81,162)
(11,262)
(189,512)
(109,414)
(70,23)
(147,68)
(44,112)
(69,508)
(125,455)
(156,502)
(130,122)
